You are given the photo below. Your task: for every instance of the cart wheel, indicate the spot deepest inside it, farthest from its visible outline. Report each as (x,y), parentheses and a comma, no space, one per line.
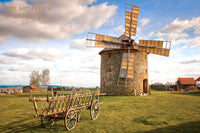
(47,122)
(70,119)
(94,110)
(78,114)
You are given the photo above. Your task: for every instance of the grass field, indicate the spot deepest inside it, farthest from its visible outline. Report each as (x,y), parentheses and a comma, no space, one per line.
(158,112)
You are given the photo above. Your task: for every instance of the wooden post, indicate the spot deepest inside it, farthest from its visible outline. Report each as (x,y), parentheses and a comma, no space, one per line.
(134,92)
(52,92)
(35,106)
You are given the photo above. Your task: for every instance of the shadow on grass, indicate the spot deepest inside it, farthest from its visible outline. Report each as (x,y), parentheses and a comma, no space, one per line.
(191,127)
(30,126)
(145,120)
(35,126)
(18,126)
(192,93)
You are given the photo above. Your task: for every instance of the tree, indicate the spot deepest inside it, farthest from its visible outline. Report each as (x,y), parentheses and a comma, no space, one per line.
(35,78)
(45,77)
(39,79)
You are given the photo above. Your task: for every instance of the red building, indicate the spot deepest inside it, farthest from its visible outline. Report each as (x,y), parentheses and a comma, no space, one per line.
(198,82)
(29,88)
(184,83)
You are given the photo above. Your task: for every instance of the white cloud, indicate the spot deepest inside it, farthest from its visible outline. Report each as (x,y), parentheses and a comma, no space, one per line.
(3,39)
(51,54)
(65,19)
(171,35)
(79,44)
(138,31)
(190,60)
(178,26)
(177,31)
(17,69)
(80,71)
(7,60)
(119,30)
(191,42)
(185,46)
(144,21)
(90,59)
(151,34)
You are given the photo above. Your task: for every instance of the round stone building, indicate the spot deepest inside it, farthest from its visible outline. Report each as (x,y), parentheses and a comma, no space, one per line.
(114,79)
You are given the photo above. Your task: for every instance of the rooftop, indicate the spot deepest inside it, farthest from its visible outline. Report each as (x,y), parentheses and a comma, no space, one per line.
(116,49)
(198,79)
(187,81)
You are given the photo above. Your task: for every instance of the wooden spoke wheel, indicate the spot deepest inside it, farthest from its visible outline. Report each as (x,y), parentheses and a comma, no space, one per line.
(78,114)
(47,122)
(94,110)
(70,119)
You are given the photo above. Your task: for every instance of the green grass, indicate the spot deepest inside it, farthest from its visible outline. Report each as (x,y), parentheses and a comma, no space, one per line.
(159,112)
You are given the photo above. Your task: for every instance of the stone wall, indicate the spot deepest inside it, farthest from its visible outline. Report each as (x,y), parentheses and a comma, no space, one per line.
(140,71)
(110,68)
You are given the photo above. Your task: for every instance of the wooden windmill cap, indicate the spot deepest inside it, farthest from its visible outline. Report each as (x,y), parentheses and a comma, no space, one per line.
(109,50)
(122,38)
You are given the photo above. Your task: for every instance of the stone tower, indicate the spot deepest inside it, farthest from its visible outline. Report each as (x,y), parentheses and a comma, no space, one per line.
(112,84)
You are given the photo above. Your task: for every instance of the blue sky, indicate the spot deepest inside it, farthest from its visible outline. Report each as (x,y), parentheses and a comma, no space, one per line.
(57,41)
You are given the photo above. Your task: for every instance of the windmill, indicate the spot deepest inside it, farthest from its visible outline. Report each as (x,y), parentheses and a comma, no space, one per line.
(127,71)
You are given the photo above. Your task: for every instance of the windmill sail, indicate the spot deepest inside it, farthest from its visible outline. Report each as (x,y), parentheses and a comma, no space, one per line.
(131,18)
(126,69)
(103,41)
(155,47)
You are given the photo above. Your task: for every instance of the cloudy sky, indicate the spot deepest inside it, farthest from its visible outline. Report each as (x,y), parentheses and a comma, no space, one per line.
(57,42)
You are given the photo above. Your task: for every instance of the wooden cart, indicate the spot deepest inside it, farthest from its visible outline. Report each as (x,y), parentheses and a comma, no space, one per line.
(68,107)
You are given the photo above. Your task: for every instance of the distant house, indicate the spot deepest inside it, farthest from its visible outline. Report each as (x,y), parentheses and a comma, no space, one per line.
(198,82)
(29,88)
(183,83)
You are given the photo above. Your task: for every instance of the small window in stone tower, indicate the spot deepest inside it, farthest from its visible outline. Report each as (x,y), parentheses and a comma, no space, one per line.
(109,55)
(109,69)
